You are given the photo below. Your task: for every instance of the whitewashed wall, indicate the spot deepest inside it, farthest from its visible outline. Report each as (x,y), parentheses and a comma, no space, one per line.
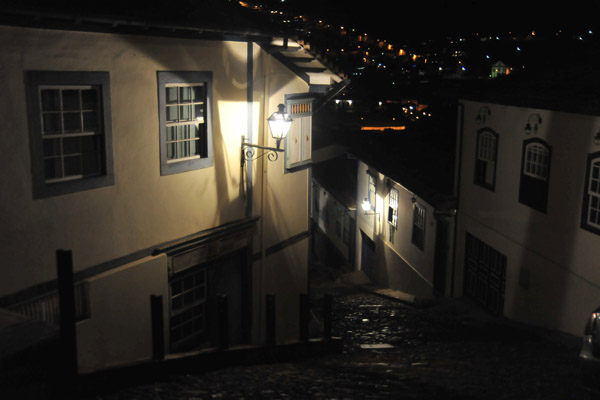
(399,264)
(557,256)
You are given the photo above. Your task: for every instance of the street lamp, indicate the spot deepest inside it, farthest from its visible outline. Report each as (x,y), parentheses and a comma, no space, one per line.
(366,206)
(537,120)
(279,124)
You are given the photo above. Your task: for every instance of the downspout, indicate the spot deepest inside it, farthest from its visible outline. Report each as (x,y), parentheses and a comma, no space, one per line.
(458,172)
(263,196)
(249,122)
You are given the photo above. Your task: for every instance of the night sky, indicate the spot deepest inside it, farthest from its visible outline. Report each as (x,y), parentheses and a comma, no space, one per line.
(432,18)
(396,19)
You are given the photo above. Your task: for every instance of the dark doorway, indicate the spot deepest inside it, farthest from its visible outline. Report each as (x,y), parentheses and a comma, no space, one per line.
(441,257)
(485,274)
(367,260)
(194,294)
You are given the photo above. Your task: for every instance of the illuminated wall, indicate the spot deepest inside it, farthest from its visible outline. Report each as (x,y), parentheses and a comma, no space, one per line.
(143,209)
(398,262)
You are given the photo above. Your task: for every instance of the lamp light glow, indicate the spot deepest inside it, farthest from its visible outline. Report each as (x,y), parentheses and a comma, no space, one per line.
(366,205)
(279,123)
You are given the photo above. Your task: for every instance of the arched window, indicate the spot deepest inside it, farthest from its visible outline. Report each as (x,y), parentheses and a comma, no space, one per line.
(535,173)
(537,161)
(485,160)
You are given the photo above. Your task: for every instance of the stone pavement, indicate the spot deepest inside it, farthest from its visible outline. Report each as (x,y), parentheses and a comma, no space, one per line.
(393,349)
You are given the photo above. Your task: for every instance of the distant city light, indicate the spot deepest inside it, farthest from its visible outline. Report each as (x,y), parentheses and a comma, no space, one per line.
(383,128)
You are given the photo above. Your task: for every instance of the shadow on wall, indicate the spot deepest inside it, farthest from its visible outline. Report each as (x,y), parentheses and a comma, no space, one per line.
(545,288)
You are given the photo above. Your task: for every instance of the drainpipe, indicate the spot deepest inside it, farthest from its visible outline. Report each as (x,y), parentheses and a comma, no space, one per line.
(249,103)
(458,171)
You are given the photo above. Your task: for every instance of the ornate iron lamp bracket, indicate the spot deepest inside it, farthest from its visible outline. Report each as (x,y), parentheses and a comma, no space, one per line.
(250,152)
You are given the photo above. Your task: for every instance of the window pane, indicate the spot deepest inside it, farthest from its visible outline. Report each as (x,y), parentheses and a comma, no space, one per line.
(50,100)
(72,122)
(198,93)
(70,99)
(72,165)
(90,149)
(194,131)
(183,149)
(89,99)
(72,146)
(53,168)
(194,150)
(171,133)
(51,147)
(90,121)
(52,123)
(172,114)
(183,132)
(171,151)
(185,113)
(185,94)
(594,186)
(171,95)
(199,113)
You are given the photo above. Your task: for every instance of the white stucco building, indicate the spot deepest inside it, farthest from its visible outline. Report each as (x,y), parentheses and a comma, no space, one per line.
(404,238)
(527,224)
(122,144)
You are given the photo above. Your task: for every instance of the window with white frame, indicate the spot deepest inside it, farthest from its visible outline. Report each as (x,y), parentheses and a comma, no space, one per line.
(372,191)
(418,231)
(537,161)
(535,172)
(185,121)
(485,162)
(591,204)
(393,208)
(298,149)
(70,131)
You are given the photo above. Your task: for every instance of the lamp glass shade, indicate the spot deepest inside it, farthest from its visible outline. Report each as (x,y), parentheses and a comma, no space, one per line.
(366,205)
(280,123)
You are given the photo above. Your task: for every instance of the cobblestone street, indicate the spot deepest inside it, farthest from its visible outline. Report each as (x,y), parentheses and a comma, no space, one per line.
(449,350)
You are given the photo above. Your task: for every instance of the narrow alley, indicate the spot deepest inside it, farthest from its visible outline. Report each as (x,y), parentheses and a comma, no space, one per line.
(393,350)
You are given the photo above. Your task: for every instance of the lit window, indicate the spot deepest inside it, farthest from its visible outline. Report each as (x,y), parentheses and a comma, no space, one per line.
(70,131)
(393,208)
(418,232)
(535,172)
(185,121)
(485,162)
(591,203)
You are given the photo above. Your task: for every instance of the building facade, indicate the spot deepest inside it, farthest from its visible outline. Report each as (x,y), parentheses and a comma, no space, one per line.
(404,239)
(125,150)
(527,226)
(334,212)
